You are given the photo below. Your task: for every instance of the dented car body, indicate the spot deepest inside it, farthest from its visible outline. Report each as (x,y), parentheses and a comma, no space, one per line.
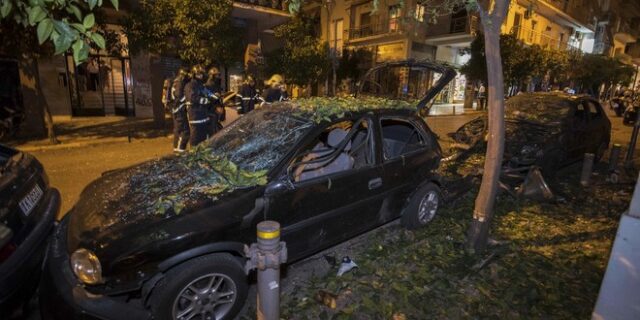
(547,130)
(139,240)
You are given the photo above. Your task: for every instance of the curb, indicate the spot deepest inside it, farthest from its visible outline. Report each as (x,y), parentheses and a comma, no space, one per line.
(71,144)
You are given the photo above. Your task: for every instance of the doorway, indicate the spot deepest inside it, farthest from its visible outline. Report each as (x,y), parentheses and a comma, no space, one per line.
(101,86)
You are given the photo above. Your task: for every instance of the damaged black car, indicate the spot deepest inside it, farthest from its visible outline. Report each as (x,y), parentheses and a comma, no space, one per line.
(165,239)
(546,130)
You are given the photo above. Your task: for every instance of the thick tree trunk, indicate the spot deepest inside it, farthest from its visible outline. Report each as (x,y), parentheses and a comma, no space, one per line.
(48,119)
(484,205)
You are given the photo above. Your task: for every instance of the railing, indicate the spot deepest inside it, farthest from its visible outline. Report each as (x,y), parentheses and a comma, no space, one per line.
(385,27)
(467,24)
(275,4)
(530,36)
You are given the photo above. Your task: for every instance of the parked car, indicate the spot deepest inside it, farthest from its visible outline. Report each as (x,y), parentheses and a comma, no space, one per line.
(28,207)
(165,238)
(548,130)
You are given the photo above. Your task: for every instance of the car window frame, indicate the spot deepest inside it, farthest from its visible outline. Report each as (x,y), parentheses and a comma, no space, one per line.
(599,114)
(419,128)
(574,110)
(313,134)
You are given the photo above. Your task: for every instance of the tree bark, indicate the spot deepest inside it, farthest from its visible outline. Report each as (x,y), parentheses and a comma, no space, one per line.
(478,233)
(48,119)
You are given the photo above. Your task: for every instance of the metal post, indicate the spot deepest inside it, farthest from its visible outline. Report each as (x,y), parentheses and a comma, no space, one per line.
(628,161)
(614,157)
(587,168)
(266,256)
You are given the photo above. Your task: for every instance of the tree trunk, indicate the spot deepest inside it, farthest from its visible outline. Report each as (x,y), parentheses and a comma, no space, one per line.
(478,233)
(48,119)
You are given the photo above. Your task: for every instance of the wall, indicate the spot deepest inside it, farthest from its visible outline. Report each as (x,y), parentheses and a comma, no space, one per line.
(33,124)
(142,84)
(555,30)
(55,85)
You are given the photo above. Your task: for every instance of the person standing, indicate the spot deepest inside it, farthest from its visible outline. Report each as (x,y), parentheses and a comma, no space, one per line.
(215,108)
(247,96)
(197,101)
(177,102)
(94,69)
(276,91)
(482,97)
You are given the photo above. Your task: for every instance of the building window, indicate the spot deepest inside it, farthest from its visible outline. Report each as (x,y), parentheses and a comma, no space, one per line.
(420,11)
(336,36)
(394,18)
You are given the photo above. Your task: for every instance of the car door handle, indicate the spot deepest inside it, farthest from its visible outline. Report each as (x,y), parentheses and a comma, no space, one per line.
(375,183)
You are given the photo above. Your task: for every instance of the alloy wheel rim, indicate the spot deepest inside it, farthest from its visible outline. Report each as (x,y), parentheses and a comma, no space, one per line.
(428,207)
(209,297)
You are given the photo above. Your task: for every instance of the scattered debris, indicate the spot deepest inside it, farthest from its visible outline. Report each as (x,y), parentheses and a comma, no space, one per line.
(535,188)
(327,298)
(346,266)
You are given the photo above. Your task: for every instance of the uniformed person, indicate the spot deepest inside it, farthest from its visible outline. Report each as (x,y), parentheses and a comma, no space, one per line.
(247,96)
(276,91)
(215,108)
(197,101)
(177,102)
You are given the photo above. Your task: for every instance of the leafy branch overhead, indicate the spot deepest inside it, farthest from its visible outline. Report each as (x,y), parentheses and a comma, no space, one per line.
(68,24)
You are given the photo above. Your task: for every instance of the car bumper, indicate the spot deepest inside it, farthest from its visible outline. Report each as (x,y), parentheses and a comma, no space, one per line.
(62,296)
(19,275)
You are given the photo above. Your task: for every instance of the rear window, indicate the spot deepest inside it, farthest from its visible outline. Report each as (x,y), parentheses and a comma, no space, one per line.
(537,108)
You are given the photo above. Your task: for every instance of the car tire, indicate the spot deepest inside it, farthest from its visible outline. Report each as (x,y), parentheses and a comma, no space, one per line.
(423,206)
(550,162)
(200,284)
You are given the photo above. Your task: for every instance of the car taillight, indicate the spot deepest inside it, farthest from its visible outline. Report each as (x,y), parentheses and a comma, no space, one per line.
(7,251)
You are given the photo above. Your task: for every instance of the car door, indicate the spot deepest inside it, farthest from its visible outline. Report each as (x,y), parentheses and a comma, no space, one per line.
(322,202)
(578,126)
(408,154)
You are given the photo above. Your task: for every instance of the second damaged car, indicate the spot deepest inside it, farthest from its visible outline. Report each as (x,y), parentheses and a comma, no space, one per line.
(546,130)
(165,239)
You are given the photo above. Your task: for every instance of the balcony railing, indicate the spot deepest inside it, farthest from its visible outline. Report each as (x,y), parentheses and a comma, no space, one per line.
(468,24)
(388,26)
(530,36)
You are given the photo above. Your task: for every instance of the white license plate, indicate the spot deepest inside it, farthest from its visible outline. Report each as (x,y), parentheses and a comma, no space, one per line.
(31,200)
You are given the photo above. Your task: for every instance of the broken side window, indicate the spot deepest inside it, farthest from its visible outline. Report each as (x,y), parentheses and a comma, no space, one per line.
(340,147)
(400,137)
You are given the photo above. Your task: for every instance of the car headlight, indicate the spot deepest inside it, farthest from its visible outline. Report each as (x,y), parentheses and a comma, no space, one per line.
(86,266)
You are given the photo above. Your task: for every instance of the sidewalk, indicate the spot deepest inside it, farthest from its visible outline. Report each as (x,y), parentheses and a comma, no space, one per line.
(85,131)
(451,109)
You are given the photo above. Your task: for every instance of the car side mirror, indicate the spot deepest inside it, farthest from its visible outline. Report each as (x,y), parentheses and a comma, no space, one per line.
(278,186)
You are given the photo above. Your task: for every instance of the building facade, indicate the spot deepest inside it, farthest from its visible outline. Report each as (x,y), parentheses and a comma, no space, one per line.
(112,82)
(401,30)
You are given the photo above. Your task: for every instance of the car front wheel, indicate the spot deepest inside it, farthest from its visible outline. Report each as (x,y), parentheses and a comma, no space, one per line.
(208,287)
(423,207)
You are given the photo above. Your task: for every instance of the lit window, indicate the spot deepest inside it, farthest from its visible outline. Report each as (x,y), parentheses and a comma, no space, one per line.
(420,10)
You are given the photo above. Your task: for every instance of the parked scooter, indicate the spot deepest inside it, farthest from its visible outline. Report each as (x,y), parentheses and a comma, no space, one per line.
(618,105)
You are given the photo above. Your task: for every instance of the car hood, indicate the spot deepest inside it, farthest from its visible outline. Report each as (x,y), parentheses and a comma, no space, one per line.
(135,198)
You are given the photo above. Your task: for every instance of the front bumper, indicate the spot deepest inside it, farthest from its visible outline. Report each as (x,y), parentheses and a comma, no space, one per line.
(20,273)
(63,297)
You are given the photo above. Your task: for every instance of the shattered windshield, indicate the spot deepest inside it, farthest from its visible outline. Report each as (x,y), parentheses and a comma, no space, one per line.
(538,108)
(259,140)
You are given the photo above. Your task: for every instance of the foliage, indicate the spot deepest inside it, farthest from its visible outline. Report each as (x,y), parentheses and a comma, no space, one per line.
(519,61)
(548,265)
(223,176)
(321,109)
(197,31)
(591,70)
(348,66)
(67,24)
(303,59)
